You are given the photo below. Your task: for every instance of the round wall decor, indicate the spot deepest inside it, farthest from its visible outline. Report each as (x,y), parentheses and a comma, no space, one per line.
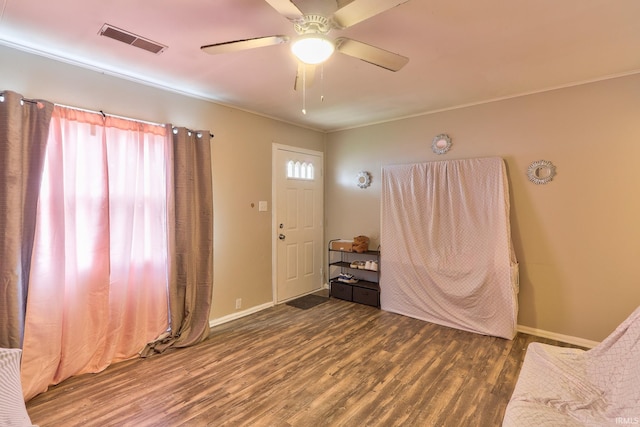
(541,172)
(363,179)
(441,144)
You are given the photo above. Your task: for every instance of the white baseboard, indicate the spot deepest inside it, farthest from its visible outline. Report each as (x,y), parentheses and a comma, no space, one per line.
(520,328)
(558,337)
(240,314)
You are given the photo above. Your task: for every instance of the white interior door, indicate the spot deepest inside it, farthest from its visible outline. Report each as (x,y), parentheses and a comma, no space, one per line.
(297,221)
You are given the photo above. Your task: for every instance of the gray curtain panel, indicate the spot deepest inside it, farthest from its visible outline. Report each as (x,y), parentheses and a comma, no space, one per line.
(24,128)
(190,237)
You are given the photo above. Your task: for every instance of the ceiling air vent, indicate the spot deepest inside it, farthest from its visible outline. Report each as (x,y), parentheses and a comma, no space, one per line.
(131,39)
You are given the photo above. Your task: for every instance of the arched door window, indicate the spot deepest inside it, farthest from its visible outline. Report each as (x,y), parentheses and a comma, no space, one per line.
(297,170)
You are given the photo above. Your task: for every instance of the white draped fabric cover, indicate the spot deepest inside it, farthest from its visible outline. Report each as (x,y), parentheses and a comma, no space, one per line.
(560,386)
(447,255)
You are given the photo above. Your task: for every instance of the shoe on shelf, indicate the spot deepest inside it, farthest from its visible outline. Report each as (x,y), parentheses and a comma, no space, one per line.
(362,265)
(347,278)
(374,265)
(367,265)
(354,264)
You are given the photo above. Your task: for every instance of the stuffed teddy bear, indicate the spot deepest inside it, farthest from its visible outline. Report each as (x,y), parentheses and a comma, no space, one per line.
(360,244)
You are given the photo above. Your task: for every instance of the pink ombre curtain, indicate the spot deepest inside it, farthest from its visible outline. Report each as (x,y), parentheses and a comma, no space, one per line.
(98,289)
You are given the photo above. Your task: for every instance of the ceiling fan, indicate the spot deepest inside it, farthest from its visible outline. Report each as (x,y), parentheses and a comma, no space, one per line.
(312,46)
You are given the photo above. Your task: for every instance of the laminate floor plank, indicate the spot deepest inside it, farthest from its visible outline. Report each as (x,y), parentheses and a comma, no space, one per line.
(336,364)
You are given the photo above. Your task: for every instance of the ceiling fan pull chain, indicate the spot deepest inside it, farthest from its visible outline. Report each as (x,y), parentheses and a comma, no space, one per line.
(322,83)
(304,90)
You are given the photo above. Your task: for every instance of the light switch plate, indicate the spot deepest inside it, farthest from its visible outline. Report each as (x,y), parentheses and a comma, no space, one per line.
(263,206)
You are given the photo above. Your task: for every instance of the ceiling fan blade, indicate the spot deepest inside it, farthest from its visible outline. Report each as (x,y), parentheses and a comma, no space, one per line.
(287,9)
(358,10)
(371,54)
(306,75)
(236,45)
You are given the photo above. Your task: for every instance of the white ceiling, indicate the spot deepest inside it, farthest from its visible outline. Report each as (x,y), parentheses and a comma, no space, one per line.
(461,52)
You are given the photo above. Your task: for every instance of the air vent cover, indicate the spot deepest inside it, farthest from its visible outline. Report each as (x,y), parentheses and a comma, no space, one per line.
(123,36)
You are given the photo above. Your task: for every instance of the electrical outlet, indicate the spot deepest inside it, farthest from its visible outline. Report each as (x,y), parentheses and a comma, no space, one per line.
(238,303)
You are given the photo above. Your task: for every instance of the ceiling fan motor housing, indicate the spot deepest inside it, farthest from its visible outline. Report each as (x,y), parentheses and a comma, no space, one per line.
(313,24)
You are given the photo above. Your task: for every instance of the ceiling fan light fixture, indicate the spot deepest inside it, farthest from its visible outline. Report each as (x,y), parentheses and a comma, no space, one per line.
(312,48)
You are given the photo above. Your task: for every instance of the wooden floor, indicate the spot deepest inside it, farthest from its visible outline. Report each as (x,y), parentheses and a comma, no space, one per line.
(336,364)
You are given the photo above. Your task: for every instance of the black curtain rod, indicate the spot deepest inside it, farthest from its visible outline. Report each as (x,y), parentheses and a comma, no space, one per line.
(29,101)
(104,115)
(195,131)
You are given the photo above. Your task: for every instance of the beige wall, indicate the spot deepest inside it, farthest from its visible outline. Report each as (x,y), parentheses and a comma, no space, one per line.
(577,238)
(241,153)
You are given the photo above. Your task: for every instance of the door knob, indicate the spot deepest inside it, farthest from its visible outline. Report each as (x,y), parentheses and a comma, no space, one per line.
(281,236)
